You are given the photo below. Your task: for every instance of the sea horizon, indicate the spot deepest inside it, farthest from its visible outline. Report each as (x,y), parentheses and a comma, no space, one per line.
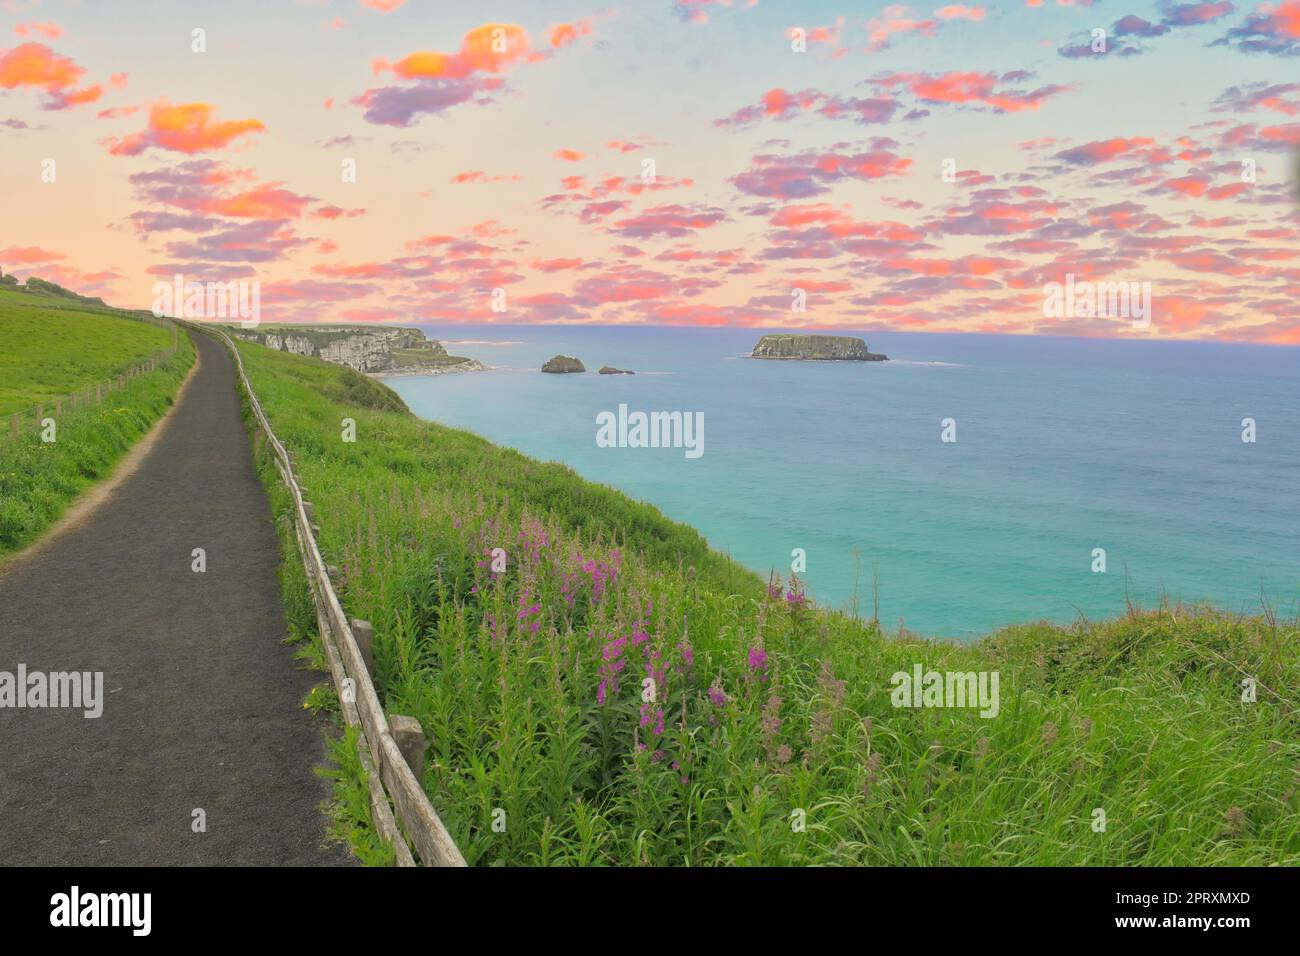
(965,536)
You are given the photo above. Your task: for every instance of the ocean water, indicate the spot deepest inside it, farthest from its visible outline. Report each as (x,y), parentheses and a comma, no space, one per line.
(1063,446)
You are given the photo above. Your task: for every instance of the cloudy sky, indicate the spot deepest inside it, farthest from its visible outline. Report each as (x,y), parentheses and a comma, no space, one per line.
(925,167)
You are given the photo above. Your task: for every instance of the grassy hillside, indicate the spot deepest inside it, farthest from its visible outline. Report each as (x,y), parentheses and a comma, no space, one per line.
(52,346)
(771,737)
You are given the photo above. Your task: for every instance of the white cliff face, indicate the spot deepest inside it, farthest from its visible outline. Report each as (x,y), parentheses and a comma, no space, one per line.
(366,350)
(365,353)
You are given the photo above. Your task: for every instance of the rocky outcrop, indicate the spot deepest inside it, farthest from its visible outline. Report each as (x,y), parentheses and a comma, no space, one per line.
(610,370)
(374,351)
(563,363)
(822,348)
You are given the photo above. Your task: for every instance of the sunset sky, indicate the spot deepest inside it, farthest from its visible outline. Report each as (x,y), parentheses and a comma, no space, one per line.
(521,164)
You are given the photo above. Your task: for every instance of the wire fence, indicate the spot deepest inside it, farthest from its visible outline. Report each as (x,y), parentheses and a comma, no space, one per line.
(30,420)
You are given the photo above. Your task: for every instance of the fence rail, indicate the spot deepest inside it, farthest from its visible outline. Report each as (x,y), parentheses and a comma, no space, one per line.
(28,420)
(391,747)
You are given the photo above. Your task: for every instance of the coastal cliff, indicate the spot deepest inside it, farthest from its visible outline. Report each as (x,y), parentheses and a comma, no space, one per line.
(374,351)
(824,348)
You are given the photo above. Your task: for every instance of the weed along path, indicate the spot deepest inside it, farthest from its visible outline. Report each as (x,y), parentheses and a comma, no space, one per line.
(201,752)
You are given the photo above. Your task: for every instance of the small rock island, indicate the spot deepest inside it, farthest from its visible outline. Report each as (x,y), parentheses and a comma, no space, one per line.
(820,348)
(610,370)
(563,363)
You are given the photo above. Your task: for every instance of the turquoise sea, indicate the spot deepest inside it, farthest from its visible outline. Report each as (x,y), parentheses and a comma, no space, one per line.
(1064,445)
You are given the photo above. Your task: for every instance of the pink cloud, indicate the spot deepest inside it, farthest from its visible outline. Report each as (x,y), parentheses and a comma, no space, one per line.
(51,31)
(811,173)
(183,128)
(673,220)
(986,89)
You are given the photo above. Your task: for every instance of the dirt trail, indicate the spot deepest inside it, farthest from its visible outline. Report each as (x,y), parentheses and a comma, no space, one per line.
(202,703)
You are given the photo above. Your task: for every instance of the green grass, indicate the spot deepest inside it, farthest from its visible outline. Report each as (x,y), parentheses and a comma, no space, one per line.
(48,351)
(806,761)
(50,347)
(425,357)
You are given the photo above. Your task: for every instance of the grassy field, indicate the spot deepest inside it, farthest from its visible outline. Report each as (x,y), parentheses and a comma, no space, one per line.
(621,694)
(48,349)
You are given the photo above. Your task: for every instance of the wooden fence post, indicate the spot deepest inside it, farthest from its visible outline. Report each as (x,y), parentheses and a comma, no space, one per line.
(409,736)
(99,394)
(13,425)
(310,508)
(365,635)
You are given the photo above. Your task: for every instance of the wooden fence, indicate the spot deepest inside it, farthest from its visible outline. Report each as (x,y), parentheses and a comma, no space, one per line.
(28,420)
(391,747)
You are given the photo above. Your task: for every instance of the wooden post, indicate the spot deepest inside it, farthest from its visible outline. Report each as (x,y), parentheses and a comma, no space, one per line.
(410,741)
(13,426)
(365,635)
(40,414)
(99,394)
(58,408)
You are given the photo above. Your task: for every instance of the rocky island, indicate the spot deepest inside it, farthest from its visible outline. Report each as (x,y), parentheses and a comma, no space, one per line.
(375,351)
(821,348)
(610,370)
(561,364)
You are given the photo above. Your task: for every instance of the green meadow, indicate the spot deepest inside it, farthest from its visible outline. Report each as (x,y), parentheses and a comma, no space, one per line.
(599,687)
(51,346)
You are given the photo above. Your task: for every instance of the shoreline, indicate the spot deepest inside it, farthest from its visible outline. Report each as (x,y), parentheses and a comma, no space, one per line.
(470,365)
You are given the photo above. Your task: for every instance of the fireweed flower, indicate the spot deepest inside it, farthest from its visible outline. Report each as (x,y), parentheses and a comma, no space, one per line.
(612,663)
(717,697)
(569,588)
(649,714)
(527,611)
(758,661)
(657,671)
(771,720)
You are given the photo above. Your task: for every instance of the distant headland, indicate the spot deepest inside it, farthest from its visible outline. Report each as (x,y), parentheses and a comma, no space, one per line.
(374,350)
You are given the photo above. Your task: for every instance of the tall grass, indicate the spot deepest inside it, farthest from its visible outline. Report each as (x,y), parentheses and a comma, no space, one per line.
(770,738)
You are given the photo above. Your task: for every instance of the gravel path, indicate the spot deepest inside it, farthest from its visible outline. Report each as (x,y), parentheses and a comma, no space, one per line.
(202,703)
